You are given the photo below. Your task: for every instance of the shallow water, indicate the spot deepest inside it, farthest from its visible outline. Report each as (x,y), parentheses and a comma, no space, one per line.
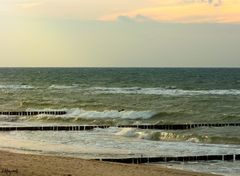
(118,143)
(112,141)
(215,167)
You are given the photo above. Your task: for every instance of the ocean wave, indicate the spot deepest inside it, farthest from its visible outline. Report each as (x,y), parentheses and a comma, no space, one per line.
(152,135)
(62,86)
(90,114)
(12,86)
(147,134)
(158,135)
(161,91)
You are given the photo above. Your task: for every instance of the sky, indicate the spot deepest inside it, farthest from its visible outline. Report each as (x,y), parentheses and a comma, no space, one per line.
(114,33)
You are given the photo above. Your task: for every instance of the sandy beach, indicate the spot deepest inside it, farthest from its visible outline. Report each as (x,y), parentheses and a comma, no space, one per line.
(29,165)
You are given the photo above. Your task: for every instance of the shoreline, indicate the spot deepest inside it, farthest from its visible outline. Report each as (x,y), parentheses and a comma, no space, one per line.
(44,165)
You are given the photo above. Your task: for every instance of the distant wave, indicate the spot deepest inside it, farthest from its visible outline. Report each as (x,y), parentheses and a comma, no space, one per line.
(162,91)
(62,86)
(168,91)
(107,114)
(17,86)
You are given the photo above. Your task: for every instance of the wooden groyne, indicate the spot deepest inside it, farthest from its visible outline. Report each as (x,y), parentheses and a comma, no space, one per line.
(179,126)
(32,113)
(91,127)
(50,128)
(139,160)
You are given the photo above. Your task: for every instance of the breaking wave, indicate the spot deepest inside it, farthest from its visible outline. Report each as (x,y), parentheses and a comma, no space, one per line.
(91,114)
(16,86)
(62,86)
(162,91)
(169,91)
(159,135)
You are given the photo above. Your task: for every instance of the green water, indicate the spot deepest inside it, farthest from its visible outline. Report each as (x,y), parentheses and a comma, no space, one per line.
(173,94)
(115,96)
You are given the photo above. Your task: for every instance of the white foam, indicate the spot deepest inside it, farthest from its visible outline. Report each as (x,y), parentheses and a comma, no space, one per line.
(161,91)
(193,140)
(127,132)
(62,86)
(133,132)
(16,86)
(112,114)
(154,135)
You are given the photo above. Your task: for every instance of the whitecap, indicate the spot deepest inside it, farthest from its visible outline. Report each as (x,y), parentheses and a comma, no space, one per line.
(13,86)
(62,86)
(161,91)
(92,114)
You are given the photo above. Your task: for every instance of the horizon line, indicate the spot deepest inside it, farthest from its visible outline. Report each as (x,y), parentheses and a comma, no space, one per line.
(1,67)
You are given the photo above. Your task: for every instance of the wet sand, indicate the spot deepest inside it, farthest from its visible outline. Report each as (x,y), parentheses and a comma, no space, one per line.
(30,165)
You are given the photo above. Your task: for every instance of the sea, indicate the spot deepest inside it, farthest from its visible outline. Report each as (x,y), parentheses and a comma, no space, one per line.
(124,96)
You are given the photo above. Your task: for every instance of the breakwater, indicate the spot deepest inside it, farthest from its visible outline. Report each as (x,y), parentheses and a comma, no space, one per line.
(139,160)
(91,127)
(32,113)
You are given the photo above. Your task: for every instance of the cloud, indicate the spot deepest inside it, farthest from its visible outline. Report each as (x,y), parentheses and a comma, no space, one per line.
(187,11)
(74,9)
(137,18)
(210,2)
(181,11)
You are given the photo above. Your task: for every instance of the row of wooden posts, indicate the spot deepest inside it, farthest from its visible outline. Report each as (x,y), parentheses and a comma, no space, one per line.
(91,127)
(32,113)
(139,160)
